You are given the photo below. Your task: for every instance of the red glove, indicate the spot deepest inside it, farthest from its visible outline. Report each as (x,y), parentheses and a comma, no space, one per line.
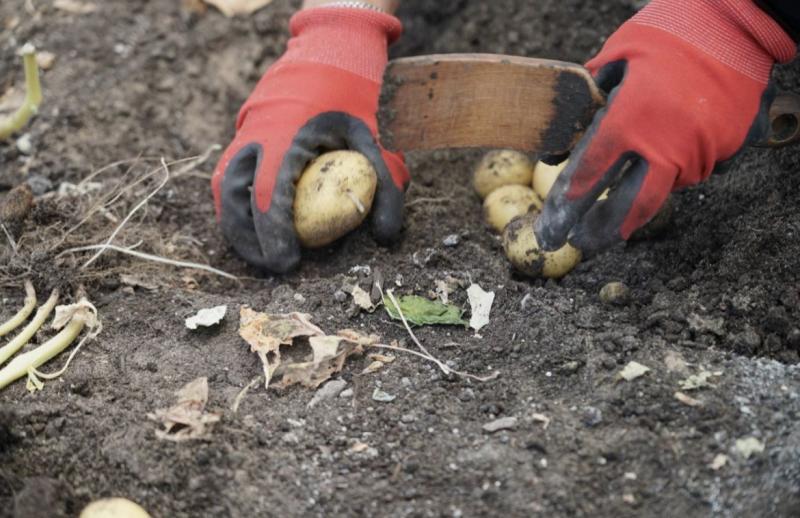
(688,83)
(321,95)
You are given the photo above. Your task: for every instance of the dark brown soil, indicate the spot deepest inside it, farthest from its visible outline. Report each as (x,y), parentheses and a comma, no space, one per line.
(720,288)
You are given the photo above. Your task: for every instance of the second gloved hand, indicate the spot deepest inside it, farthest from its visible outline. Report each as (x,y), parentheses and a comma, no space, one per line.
(688,88)
(321,95)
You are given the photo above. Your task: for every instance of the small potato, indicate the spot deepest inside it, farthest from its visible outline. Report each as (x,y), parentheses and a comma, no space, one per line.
(519,243)
(544,176)
(502,167)
(334,196)
(113,508)
(507,202)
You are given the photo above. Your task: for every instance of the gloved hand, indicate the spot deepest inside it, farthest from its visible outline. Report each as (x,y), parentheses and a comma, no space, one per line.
(321,95)
(688,88)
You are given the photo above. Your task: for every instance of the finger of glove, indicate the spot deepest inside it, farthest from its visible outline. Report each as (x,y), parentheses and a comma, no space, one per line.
(595,164)
(232,186)
(634,201)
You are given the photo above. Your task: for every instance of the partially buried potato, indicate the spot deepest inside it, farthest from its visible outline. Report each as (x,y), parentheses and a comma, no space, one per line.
(522,249)
(507,202)
(334,196)
(113,508)
(502,167)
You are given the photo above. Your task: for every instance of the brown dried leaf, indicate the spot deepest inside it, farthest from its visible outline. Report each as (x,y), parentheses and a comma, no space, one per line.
(186,419)
(329,355)
(233,7)
(266,333)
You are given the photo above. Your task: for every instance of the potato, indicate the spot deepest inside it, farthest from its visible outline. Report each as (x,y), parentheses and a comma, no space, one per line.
(113,508)
(507,202)
(544,176)
(502,167)
(334,196)
(519,243)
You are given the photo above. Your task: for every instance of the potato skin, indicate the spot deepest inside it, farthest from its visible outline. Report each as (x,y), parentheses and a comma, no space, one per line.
(325,207)
(113,508)
(522,249)
(501,167)
(506,203)
(544,176)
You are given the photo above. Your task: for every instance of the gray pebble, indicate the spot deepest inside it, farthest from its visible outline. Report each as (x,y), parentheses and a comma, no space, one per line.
(451,240)
(592,416)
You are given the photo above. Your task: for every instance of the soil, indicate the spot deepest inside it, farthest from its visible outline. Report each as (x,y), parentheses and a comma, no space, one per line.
(718,289)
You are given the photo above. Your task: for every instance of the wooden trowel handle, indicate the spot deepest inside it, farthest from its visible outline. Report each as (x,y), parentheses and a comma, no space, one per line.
(491,100)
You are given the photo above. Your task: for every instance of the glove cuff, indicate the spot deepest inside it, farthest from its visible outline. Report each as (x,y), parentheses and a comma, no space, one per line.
(351,39)
(735,32)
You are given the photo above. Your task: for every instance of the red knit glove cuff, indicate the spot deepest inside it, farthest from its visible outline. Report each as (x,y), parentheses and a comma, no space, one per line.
(735,32)
(356,40)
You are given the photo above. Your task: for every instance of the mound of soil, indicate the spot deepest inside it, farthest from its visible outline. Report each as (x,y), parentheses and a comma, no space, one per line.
(719,290)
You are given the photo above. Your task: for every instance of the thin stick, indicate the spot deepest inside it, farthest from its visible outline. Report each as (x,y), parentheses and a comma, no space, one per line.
(490,377)
(10,239)
(242,393)
(150,257)
(419,201)
(138,206)
(427,355)
(17,320)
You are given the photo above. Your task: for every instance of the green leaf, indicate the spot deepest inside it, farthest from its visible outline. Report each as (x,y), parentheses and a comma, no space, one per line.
(421,311)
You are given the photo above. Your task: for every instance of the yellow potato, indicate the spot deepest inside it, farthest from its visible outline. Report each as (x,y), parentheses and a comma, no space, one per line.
(507,202)
(334,196)
(522,249)
(544,176)
(502,167)
(113,508)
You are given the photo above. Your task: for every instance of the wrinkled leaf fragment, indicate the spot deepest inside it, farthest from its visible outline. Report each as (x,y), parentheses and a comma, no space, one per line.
(421,311)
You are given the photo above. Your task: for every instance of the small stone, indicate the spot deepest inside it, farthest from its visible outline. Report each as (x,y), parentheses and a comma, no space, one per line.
(592,416)
(504,423)
(615,293)
(346,393)
(382,397)
(290,438)
(467,395)
(408,418)
(328,391)
(405,381)
(24,144)
(340,296)
(39,184)
(299,298)
(451,240)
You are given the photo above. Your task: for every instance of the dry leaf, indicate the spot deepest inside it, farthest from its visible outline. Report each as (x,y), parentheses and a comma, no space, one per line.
(207,317)
(748,447)
(75,7)
(186,419)
(633,370)
(45,59)
(360,297)
(266,333)
(234,7)
(383,358)
(480,302)
(699,380)
(83,308)
(719,462)
(541,418)
(688,400)
(329,355)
